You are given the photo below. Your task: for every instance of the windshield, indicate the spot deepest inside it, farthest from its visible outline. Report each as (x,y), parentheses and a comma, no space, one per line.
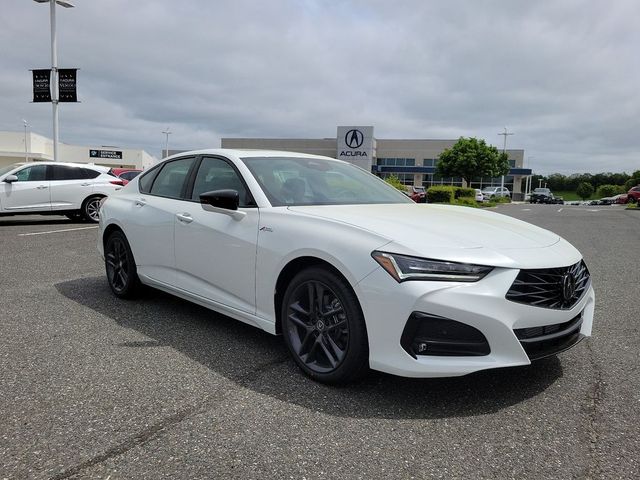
(489,189)
(541,190)
(8,168)
(312,181)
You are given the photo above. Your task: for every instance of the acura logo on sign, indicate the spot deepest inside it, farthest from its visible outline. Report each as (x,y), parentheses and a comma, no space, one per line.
(354,138)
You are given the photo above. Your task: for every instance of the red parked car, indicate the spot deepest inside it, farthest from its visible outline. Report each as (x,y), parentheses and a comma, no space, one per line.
(418,194)
(633,195)
(125,174)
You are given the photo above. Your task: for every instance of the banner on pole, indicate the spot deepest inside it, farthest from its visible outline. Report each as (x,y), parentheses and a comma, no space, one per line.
(67,85)
(42,85)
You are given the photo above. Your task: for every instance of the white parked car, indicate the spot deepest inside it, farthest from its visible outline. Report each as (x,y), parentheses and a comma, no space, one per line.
(349,270)
(479,195)
(489,192)
(70,189)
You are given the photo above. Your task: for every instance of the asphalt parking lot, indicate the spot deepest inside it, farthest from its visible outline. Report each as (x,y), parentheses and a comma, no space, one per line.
(95,387)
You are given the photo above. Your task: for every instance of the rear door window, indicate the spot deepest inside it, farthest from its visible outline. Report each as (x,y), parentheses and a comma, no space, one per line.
(171,180)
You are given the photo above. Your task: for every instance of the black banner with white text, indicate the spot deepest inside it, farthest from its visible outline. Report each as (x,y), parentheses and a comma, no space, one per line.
(67,85)
(42,85)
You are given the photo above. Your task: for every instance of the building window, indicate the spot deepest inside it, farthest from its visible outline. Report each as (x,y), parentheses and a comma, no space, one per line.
(512,163)
(405,178)
(397,162)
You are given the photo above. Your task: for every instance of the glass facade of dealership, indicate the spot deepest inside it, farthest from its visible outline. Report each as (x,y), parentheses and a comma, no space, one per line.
(413,161)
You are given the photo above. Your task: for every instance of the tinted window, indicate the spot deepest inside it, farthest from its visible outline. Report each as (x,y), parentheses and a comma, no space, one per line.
(217,174)
(171,179)
(61,172)
(37,173)
(144,184)
(129,175)
(89,173)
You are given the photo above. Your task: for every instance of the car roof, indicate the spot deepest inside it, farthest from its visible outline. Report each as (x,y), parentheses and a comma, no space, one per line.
(251,153)
(99,168)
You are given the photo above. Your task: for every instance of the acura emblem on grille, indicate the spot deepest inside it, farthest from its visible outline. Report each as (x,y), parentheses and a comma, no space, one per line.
(568,286)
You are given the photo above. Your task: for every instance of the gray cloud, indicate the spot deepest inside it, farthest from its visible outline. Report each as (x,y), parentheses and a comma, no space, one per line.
(562,75)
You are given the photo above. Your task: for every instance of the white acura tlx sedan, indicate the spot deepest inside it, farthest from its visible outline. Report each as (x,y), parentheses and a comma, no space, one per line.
(350,271)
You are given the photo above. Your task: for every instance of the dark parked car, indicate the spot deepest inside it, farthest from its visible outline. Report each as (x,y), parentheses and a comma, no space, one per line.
(544,195)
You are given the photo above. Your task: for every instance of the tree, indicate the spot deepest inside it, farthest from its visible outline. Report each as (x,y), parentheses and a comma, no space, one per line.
(470,158)
(607,191)
(584,190)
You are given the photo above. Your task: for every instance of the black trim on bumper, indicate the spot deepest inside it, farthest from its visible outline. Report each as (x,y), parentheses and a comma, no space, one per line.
(540,342)
(426,334)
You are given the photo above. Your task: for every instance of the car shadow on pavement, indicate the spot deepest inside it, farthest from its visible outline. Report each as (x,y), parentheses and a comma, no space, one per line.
(259,361)
(17,221)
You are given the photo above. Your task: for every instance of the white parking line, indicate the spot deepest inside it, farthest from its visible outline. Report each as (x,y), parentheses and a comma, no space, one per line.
(526,209)
(55,231)
(559,210)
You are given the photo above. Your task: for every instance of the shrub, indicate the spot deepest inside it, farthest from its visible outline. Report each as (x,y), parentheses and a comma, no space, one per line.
(500,199)
(394,181)
(465,192)
(607,191)
(467,201)
(441,194)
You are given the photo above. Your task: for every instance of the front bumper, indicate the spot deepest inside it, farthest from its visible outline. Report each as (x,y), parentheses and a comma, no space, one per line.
(387,306)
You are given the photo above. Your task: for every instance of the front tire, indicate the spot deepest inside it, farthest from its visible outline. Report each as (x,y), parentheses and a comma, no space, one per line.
(91,209)
(120,265)
(323,327)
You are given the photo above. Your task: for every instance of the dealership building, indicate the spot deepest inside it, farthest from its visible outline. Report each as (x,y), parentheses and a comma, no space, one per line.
(31,147)
(412,160)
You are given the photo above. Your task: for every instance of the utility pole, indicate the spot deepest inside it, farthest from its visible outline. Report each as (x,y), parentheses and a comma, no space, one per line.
(504,150)
(166,132)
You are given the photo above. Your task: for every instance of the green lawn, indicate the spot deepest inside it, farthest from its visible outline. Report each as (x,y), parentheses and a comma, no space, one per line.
(571,196)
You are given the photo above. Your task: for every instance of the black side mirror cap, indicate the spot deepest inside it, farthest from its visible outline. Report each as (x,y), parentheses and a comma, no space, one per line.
(226,199)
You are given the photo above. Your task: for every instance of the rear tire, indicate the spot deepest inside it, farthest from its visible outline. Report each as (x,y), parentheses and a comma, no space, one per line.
(91,209)
(120,265)
(324,328)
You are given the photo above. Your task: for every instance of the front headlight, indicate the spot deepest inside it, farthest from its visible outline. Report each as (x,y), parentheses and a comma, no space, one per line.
(404,267)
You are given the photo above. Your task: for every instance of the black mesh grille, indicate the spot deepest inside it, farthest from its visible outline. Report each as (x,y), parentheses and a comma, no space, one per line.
(558,288)
(540,342)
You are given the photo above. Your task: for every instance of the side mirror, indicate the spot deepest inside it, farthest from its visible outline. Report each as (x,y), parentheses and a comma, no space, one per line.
(227,199)
(11,178)
(222,201)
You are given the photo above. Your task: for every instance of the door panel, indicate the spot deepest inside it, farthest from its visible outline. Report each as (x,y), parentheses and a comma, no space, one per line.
(69,187)
(29,193)
(151,220)
(216,255)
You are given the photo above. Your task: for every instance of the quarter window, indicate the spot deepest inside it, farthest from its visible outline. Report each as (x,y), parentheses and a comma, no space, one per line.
(36,173)
(171,179)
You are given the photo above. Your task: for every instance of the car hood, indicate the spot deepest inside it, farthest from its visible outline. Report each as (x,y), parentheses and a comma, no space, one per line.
(453,233)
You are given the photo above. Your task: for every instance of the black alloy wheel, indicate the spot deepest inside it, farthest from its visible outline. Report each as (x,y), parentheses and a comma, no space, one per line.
(121,267)
(324,328)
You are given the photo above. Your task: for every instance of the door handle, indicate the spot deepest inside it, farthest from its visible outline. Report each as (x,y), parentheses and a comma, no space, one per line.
(42,187)
(85,184)
(140,202)
(184,217)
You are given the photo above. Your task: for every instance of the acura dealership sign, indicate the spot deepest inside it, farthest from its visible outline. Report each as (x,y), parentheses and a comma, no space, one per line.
(356,145)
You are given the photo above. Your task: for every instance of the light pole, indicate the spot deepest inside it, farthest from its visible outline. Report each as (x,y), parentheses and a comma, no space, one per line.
(504,151)
(54,67)
(531,157)
(166,132)
(26,155)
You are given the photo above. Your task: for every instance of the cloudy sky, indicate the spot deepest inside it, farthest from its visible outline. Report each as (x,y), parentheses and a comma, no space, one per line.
(563,75)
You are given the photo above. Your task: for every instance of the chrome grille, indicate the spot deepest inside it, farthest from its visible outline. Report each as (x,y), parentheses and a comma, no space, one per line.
(559,288)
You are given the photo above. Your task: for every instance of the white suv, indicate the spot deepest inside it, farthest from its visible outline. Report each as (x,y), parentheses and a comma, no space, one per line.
(489,192)
(46,188)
